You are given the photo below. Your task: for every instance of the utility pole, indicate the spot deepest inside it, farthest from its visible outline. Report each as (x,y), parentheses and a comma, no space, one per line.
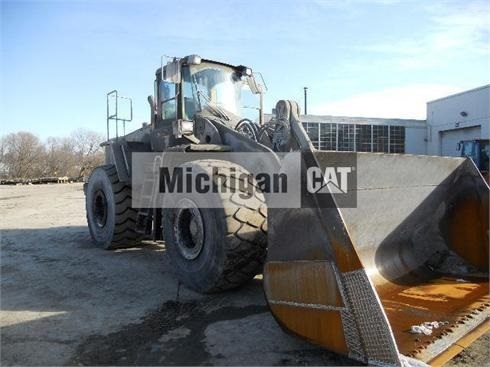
(306,100)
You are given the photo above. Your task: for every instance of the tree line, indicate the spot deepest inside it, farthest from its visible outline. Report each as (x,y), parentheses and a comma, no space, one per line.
(24,156)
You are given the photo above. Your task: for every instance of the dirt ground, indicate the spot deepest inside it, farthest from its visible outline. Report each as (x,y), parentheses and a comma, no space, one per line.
(65,302)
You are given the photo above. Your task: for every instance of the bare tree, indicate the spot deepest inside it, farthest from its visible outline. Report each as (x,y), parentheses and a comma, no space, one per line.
(22,155)
(3,165)
(60,158)
(87,150)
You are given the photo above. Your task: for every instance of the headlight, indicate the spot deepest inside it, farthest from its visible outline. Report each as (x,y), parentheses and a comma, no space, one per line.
(243,70)
(193,60)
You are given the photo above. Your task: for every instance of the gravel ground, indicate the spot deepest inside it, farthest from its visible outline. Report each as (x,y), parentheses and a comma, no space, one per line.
(65,302)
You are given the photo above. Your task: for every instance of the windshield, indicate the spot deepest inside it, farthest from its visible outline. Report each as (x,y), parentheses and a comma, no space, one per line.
(478,152)
(218,86)
(469,150)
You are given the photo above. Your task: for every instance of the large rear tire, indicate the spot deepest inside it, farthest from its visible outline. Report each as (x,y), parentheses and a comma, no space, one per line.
(110,217)
(216,247)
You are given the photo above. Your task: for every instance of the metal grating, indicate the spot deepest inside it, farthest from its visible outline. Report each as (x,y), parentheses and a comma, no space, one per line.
(356,350)
(376,337)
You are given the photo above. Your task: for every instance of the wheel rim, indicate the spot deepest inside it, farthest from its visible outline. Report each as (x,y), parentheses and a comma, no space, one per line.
(99,208)
(189,230)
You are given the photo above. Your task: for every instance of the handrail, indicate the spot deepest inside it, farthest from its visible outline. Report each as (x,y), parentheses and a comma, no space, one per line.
(115,116)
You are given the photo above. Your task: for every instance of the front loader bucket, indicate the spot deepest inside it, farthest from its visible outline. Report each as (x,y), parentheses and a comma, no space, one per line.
(414,250)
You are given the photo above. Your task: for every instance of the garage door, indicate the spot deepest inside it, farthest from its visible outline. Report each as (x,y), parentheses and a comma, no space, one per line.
(451,138)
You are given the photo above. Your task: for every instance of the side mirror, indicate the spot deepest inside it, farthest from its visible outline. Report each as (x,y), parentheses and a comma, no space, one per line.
(257,87)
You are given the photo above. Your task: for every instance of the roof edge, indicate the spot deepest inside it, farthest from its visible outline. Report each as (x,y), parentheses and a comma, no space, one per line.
(460,93)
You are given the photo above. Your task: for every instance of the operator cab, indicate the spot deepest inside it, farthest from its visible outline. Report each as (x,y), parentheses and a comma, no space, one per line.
(191,85)
(478,150)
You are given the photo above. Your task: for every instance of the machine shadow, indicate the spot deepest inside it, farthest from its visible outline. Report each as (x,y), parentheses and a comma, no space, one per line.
(62,294)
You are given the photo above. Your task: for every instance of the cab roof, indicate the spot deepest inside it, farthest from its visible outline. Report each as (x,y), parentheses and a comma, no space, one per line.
(158,71)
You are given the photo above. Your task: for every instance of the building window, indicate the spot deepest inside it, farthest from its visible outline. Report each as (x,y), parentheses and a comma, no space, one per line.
(312,131)
(346,137)
(397,139)
(359,138)
(328,136)
(380,138)
(363,138)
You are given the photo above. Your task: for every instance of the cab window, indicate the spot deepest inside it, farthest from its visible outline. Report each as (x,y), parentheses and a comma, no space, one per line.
(190,100)
(168,100)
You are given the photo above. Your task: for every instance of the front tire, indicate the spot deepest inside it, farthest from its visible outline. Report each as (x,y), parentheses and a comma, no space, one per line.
(110,217)
(216,247)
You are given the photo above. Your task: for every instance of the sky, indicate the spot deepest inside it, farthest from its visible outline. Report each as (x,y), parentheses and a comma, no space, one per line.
(369,58)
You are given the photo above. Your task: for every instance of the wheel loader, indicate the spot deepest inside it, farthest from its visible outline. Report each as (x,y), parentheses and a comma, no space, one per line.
(478,150)
(398,278)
